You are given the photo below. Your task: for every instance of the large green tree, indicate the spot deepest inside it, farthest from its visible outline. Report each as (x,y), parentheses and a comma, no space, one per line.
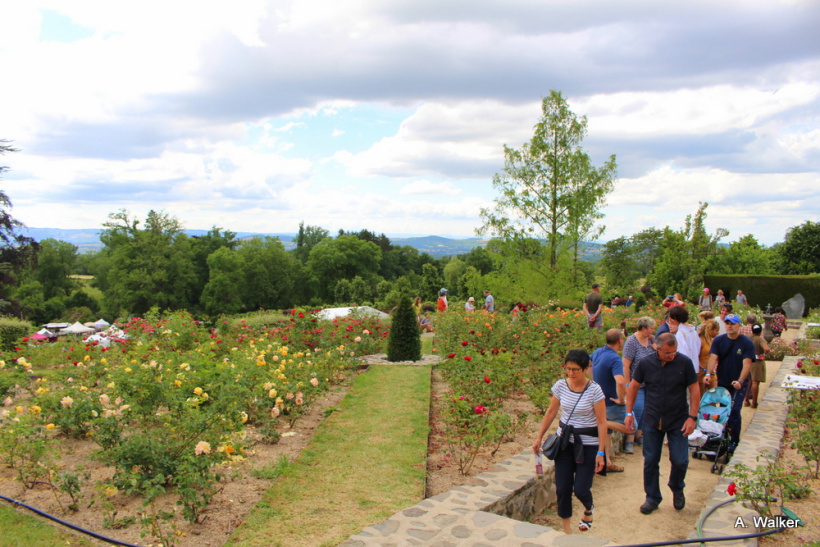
(800,252)
(223,291)
(268,274)
(549,189)
(744,256)
(148,267)
(344,257)
(684,256)
(306,239)
(16,250)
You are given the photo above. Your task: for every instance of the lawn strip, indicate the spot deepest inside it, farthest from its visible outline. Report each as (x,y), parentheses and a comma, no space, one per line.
(365,462)
(19,528)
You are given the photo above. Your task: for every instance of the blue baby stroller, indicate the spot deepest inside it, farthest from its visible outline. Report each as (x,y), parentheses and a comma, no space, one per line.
(711,437)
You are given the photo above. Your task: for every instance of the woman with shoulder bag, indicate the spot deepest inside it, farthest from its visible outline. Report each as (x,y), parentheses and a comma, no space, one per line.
(583,432)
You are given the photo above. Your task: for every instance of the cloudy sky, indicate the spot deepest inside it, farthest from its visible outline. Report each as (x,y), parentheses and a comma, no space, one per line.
(391,115)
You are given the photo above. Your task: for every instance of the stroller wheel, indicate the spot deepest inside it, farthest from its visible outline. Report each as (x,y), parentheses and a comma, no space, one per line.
(720,469)
(714,468)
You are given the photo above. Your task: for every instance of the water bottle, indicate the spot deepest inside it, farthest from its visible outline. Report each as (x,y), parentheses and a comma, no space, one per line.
(539,469)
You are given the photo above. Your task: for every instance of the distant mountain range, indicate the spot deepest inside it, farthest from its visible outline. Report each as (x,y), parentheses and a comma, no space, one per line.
(88,240)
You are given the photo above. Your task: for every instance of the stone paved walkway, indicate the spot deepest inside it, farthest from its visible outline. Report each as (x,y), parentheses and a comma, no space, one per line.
(493,511)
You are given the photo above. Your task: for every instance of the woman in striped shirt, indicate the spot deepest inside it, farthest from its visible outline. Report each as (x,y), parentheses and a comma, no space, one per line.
(583,432)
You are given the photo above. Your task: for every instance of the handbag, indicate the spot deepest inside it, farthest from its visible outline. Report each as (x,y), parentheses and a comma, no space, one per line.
(551,446)
(553,442)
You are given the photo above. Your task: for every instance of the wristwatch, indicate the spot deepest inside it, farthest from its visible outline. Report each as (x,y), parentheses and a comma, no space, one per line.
(694,417)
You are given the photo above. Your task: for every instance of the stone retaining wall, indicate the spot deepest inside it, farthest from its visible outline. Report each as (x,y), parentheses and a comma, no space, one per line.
(494,507)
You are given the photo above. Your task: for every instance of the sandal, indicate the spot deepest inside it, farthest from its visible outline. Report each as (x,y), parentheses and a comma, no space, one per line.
(612,468)
(585,525)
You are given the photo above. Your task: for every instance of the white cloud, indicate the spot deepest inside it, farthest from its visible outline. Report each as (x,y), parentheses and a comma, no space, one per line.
(426,187)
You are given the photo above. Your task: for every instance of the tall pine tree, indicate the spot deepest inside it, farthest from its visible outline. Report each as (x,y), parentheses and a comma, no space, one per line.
(404,341)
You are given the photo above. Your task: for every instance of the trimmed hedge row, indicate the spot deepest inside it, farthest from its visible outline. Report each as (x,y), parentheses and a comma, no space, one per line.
(767,289)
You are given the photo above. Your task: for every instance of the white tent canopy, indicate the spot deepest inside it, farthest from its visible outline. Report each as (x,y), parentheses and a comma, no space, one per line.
(101,324)
(77,328)
(333,313)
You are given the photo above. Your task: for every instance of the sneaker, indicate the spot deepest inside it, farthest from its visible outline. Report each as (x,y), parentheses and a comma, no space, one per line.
(678,500)
(629,447)
(648,507)
(639,440)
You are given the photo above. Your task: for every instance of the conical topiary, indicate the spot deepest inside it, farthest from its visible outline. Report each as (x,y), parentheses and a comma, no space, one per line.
(404,342)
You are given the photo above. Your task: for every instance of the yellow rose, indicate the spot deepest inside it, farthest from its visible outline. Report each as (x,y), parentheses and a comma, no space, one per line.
(197,391)
(50,426)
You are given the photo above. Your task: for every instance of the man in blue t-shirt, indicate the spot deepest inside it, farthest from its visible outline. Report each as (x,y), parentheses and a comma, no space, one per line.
(732,353)
(489,302)
(608,372)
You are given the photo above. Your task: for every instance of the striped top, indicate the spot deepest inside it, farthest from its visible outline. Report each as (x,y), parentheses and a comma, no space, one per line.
(584,415)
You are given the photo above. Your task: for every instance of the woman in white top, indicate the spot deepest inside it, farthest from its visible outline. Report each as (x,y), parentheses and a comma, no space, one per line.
(583,431)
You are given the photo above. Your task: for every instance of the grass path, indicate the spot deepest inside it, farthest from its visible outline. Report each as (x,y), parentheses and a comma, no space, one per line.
(365,462)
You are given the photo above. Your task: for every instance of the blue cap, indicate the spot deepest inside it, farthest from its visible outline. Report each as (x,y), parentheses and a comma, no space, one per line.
(731,318)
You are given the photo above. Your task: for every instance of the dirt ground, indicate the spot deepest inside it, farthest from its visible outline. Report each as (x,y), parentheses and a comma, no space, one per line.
(617,496)
(228,508)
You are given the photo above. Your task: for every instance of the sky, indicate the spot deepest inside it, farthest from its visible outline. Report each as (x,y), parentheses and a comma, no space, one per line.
(256,115)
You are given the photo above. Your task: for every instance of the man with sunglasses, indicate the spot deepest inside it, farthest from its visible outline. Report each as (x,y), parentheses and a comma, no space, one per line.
(668,377)
(732,354)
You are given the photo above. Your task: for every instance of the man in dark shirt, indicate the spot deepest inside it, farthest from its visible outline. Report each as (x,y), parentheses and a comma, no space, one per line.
(667,376)
(734,353)
(593,306)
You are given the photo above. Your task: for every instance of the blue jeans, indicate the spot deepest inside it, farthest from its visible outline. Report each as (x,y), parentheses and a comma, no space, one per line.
(678,457)
(734,423)
(637,410)
(570,476)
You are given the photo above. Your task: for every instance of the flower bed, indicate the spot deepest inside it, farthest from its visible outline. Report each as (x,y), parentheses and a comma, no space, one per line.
(170,403)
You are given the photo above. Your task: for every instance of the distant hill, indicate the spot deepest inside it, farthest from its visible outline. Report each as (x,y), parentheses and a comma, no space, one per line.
(88,240)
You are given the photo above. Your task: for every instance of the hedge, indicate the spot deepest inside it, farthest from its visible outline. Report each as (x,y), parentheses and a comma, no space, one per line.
(762,290)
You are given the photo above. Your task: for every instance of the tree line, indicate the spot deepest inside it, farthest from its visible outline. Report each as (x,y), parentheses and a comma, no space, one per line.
(547,212)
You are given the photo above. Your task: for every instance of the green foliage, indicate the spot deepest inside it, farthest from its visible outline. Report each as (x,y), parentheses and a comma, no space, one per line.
(431,282)
(683,257)
(800,252)
(767,484)
(27,445)
(404,342)
(342,258)
(744,256)
(549,189)
(12,330)
(146,267)
(222,293)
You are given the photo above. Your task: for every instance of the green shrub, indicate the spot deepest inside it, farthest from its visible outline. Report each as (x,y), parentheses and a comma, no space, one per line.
(404,342)
(12,330)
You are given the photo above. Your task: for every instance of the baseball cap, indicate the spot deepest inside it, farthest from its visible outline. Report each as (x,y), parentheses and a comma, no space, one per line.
(706,289)
(757,328)
(731,318)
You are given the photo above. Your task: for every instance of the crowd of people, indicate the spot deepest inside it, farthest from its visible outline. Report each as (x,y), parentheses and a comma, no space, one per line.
(651,392)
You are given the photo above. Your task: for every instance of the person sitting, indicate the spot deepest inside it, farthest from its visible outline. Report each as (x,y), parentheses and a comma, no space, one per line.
(426,323)
(470,304)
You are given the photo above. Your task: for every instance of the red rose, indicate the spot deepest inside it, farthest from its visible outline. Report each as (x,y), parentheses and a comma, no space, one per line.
(451,355)
(487,379)
(468,358)
(732,490)
(480,409)
(464,343)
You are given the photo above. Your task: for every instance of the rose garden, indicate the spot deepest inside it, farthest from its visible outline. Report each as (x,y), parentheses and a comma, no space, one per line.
(170,410)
